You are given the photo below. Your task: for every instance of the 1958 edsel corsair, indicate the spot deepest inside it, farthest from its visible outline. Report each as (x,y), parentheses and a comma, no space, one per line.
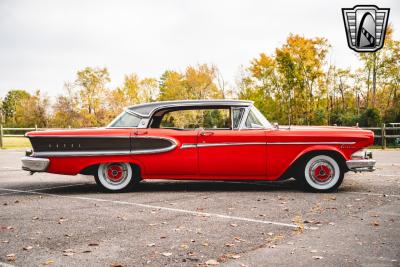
(202,139)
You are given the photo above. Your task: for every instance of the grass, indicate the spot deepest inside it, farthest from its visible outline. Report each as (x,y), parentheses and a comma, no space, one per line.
(16,143)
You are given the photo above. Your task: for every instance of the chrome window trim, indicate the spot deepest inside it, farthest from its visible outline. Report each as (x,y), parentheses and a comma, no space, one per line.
(200,103)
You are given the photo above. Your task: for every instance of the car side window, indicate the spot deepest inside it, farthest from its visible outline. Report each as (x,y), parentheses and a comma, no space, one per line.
(198,118)
(237,114)
(126,119)
(252,122)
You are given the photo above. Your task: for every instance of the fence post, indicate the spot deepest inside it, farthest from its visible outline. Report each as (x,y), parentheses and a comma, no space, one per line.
(35,127)
(1,136)
(383,134)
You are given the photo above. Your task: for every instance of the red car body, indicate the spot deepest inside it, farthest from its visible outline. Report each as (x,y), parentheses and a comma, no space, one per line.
(266,153)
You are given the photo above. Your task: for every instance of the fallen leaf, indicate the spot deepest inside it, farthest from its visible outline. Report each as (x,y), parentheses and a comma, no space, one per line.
(11,257)
(5,241)
(184,246)
(48,262)
(233,224)
(317,257)
(116,264)
(375,223)
(86,251)
(234,256)
(68,254)
(166,254)
(27,248)
(212,262)
(229,245)
(314,251)
(151,245)
(93,244)
(35,218)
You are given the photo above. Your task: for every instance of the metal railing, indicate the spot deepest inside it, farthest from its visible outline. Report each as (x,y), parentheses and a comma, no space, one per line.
(384,135)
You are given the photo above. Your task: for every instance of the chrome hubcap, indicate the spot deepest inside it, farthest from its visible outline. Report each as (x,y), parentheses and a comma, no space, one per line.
(321,171)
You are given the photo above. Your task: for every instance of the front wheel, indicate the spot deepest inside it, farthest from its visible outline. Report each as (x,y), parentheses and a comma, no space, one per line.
(115,177)
(321,173)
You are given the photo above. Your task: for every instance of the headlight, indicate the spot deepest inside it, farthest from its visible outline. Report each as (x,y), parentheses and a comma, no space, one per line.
(362,154)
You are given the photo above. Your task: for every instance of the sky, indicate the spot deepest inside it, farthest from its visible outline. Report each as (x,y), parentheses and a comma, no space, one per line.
(43,43)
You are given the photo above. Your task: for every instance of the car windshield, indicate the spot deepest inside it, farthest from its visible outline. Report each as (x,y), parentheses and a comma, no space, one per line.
(256,118)
(126,119)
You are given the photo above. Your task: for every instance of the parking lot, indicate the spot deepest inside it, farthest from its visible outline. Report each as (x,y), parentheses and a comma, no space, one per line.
(59,220)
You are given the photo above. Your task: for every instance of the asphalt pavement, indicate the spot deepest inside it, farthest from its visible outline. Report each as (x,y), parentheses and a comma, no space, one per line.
(58,220)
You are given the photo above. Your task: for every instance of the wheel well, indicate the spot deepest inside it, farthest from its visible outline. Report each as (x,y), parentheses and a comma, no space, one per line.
(92,170)
(294,168)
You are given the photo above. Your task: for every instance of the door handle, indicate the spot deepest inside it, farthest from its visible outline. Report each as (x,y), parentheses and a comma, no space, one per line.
(140,132)
(206,133)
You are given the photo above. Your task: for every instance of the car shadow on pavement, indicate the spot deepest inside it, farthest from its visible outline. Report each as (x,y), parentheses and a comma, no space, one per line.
(154,186)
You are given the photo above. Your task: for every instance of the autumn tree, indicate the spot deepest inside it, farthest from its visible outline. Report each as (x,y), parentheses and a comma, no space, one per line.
(32,111)
(10,103)
(197,82)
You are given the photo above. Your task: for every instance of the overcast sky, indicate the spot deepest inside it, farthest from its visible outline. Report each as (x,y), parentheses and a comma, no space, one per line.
(44,43)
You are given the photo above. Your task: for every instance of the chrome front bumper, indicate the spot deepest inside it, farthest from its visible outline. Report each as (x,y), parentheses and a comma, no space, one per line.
(361,165)
(35,164)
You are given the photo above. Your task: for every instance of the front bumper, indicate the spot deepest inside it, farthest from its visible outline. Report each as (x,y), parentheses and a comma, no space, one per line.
(35,164)
(361,165)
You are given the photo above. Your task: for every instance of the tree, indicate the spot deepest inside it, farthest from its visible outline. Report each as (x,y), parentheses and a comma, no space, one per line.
(197,82)
(10,103)
(92,90)
(66,110)
(32,111)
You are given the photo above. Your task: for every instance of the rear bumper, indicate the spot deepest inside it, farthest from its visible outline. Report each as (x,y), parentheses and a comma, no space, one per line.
(35,164)
(361,165)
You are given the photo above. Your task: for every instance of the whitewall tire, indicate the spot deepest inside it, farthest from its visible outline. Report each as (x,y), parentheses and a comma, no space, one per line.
(322,173)
(115,176)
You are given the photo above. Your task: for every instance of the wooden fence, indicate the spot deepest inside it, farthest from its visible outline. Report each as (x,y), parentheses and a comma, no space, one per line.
(382,134)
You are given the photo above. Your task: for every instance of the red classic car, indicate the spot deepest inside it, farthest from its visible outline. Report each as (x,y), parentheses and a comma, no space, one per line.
(201,139)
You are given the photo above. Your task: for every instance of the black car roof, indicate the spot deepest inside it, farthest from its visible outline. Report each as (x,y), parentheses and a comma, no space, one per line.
(146,110)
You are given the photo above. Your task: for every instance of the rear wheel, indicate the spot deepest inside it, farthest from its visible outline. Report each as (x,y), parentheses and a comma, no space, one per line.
(115,177)
(321,173)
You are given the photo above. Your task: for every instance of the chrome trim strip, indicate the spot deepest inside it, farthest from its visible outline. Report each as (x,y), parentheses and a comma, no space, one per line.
(79,153)
(310,143)
(185,146)
(79,136)
(230,144)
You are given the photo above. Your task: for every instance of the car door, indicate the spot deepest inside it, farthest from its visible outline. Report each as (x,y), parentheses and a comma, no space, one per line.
(176,163)
(232,153)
